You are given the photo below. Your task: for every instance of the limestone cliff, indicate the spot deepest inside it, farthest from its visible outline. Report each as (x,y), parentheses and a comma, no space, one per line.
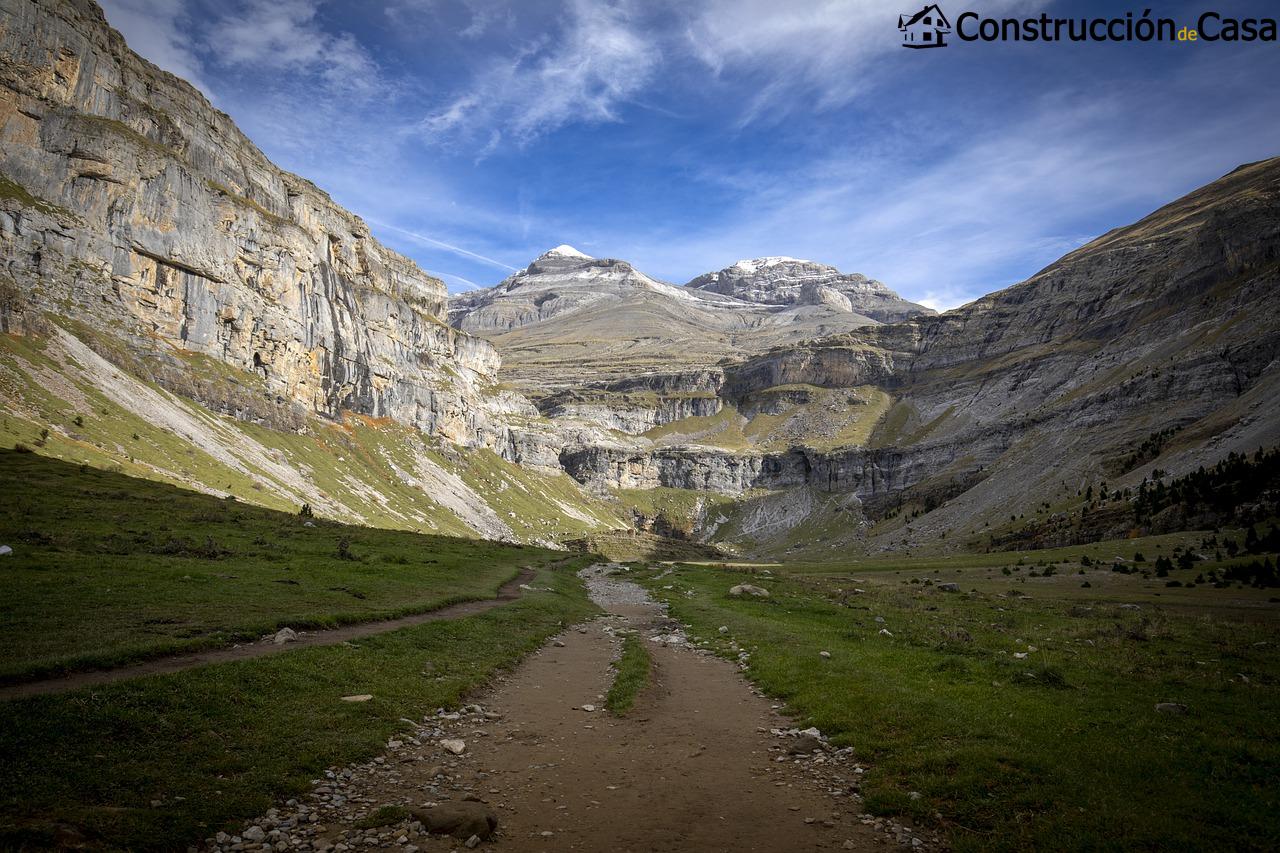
(132,205)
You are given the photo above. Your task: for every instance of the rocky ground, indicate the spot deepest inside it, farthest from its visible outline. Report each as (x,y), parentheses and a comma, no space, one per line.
(703,762)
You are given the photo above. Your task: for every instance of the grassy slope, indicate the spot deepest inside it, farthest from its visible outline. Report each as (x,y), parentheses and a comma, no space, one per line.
(351,471)
(1060,750)
(831,418)
(217,745)
(109,568)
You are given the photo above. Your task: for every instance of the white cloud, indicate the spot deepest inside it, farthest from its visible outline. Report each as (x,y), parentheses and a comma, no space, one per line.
(597,62)
(159,31)
(826,48)
(284,35)
(998,205)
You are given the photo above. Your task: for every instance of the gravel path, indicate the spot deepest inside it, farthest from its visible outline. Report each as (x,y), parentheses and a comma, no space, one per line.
(703,762)
(509,591)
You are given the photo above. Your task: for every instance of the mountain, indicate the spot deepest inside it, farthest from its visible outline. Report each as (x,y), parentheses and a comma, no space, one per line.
(175,306)
(1151,351)
(569,319)
(791,281)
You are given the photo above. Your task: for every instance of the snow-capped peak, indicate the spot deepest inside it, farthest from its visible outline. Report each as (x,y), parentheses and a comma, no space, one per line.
(564,250)
(750,265)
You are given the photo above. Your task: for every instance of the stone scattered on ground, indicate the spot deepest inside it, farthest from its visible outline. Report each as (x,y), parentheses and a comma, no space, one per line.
(358,697)
(743,590)
(454,745)
(461,819)
(6,551)
(804,745)
(949,587)
(1175,708)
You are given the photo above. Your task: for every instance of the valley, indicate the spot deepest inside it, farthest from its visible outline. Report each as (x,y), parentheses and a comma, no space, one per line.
(285,519)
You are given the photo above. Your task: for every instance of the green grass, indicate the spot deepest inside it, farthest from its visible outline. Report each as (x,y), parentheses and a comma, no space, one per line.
(382,816)
(1060,750)
(107,569)
(829,419)
(360,470)
(12,191)
(631,675)
(219,744)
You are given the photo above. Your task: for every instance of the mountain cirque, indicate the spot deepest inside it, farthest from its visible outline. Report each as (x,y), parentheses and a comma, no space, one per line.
(569,319)
(152,256)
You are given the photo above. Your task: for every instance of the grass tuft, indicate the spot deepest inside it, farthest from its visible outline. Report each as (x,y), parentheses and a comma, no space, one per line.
(382,816)
(632,675)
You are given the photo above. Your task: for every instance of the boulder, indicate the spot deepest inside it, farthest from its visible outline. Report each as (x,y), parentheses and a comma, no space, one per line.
(949,587)
(457,747)
(285,635)
(1173,708)
(461,819)
(744,590)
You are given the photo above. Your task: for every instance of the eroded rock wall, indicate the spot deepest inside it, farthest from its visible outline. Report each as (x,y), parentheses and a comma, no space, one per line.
(133,206)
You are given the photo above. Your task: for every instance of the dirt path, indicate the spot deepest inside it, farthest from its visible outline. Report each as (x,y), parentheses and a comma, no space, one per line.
(693,767)
(509,591)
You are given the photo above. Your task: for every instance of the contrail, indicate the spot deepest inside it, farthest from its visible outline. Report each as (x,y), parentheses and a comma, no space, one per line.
(430,241)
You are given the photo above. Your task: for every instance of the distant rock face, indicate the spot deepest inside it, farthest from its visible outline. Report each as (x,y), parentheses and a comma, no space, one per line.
(130,204)
(791,281)
(560,281)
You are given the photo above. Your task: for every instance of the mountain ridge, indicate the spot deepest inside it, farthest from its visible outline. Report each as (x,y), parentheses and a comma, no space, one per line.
(782,280)
(154,261)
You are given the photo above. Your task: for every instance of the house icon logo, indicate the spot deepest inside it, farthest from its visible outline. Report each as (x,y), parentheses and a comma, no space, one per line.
(926,28)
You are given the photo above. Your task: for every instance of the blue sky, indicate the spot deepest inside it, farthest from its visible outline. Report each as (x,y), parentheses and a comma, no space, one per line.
(682,135)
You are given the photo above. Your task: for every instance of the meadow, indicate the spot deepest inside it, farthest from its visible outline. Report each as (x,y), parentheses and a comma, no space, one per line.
(1020,711)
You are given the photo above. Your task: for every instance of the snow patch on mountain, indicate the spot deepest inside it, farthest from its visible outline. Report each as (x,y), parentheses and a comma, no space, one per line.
(564,250)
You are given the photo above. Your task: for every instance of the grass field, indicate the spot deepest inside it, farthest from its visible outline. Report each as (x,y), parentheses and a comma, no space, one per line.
(157,763)
(1023,714)
(107,569)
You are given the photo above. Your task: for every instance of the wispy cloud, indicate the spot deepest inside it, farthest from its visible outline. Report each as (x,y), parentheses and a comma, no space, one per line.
(285,35)
(160,31)
(994,206)
(819,55)
(580,74)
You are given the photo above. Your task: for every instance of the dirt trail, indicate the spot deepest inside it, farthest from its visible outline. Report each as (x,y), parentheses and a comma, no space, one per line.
(509,591)
(693,767)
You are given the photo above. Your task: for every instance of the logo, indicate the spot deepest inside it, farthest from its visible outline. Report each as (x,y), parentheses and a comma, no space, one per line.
(930,27)
(926,28)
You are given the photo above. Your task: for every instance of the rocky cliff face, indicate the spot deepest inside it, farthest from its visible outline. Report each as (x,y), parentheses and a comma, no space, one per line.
(1022,397)
(132,205)
(559,281)
(791,281)
(139,219)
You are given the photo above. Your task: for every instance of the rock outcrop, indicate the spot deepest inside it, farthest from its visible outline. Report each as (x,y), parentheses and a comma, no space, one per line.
(791,281)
